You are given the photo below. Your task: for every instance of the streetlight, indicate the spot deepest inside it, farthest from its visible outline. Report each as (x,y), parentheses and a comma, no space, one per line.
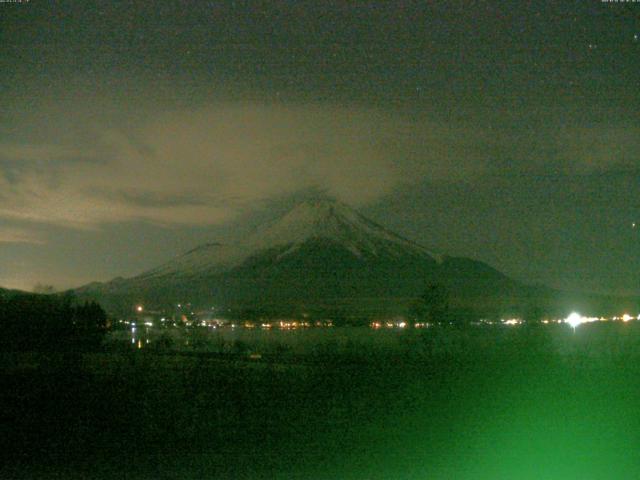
(574,320)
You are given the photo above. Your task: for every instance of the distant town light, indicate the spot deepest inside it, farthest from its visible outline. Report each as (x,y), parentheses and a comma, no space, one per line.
(574,320)
(139,308)
(512,321)
(626,317)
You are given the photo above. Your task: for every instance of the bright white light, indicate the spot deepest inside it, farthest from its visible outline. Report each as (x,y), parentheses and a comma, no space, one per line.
(402,324)
(626,317)
(574,320)
(512,321)
(139,308)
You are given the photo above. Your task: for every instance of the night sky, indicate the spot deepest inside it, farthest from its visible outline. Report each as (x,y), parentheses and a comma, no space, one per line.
(503,131)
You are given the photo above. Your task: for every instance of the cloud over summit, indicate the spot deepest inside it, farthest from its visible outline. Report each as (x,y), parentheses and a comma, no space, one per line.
(205,166)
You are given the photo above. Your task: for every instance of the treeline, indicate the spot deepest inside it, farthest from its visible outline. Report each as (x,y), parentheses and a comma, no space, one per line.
(32,322)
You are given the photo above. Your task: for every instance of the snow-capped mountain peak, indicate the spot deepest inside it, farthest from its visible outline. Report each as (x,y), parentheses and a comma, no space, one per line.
(322,219)
(334,221)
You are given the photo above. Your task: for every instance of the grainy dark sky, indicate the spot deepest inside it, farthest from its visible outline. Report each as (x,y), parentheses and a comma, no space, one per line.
(505,131)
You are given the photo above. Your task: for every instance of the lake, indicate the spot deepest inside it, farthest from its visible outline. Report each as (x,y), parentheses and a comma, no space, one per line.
(479,403)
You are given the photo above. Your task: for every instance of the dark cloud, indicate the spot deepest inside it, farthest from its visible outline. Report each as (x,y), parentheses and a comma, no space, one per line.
(206,166)
(153,199)
(203,166)
(19,235)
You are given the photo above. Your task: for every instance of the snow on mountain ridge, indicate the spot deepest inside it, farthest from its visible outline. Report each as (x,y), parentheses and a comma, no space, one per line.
(206,258)
(312,219)
(334,221)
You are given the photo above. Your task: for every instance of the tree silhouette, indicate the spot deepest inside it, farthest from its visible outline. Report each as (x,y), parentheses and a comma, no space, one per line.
(50,322)
(432,306)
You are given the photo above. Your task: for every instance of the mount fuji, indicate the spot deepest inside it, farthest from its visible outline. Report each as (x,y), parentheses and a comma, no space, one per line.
(321,255)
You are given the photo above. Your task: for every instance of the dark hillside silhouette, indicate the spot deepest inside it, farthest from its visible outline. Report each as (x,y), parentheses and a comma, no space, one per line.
(32,322)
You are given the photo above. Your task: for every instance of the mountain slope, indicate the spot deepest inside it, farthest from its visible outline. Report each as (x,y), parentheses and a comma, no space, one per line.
(332,221)
(321,254)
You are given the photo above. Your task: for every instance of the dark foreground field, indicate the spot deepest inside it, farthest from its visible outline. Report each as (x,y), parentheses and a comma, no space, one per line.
(513,403)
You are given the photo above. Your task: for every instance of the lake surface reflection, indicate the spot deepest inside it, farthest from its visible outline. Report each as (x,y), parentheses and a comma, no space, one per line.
(299,341)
